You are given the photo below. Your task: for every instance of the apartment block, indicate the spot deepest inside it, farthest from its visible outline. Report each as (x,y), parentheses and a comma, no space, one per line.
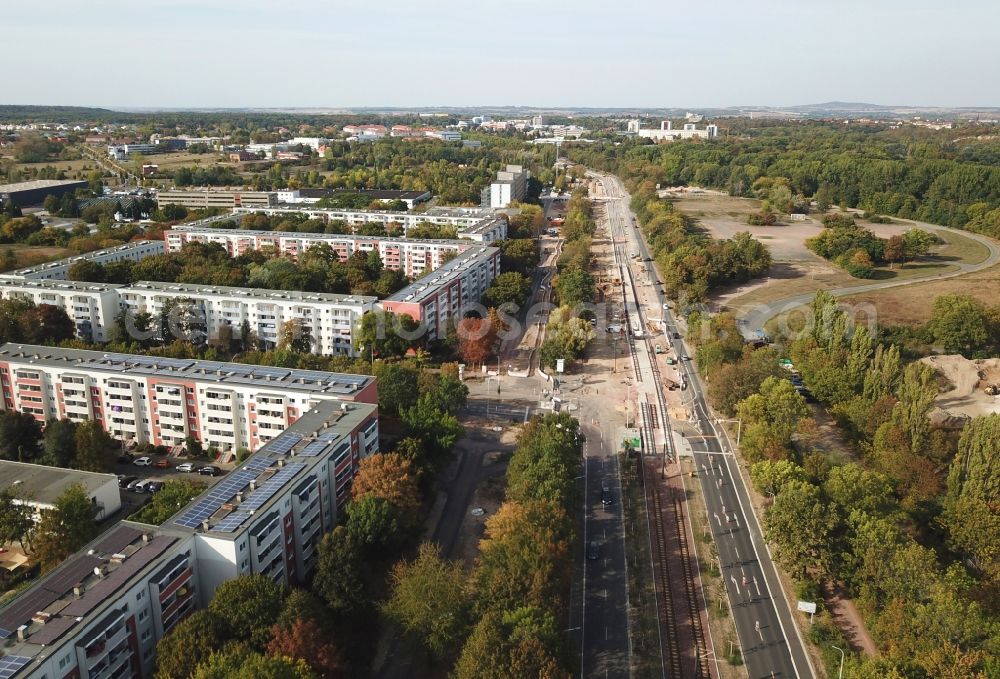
(59,270)
(327,319)
(219,198)
(163,400)
(91,306)
(413,257)
(510,185)
(100,614)
(478,224)
(447,292)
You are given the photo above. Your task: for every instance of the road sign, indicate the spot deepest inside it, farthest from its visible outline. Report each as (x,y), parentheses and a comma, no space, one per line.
(560,365)
(807,607)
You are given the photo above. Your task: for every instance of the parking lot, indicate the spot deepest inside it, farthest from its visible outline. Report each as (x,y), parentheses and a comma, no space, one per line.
(132,500)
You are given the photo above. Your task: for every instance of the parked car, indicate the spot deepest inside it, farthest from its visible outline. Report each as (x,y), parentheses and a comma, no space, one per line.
(132,484)
(154,486)
(123,481)
(162,463)
(658,349)
(593,550)
(671,360)
(143,486)
(210,470)
(676,335)
(143,461)
(186,467)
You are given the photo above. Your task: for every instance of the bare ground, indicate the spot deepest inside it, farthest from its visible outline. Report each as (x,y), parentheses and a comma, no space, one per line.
(968,378)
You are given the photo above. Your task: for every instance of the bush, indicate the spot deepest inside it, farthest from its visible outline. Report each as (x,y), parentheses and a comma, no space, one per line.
(838,219)
(762,218)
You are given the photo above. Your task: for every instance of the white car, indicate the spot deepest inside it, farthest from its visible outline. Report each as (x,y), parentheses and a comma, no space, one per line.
(187,467)
(142,462)
(666,306)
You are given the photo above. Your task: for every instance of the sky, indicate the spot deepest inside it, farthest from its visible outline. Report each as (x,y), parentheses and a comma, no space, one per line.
(542,53)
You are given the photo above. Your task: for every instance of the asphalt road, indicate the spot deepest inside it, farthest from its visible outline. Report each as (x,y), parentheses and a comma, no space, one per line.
(772,645)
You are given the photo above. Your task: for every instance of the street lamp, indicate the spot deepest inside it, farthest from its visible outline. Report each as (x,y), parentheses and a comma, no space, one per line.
(840,674)
(739,428)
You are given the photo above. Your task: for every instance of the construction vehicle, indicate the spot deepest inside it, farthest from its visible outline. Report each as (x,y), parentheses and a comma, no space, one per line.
(992,389)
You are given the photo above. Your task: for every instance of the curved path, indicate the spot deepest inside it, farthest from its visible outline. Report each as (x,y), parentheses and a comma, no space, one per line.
(756,316)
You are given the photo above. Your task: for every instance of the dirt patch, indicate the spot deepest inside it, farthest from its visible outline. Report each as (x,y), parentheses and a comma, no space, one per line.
(968,380)
(488,498)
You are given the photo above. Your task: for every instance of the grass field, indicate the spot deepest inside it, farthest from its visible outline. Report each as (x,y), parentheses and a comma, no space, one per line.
(29,255)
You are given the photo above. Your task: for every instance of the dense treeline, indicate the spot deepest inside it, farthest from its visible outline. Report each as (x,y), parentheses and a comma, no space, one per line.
(943,177)
(909,529)
(504,620)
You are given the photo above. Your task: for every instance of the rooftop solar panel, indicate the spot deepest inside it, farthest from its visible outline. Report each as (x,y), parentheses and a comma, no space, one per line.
(118,539)
(72,572)
(315,448)
(217,496)
(284,443)
(258,463)
(24,607)
(266,491)
(11,665)
(232,522)
(52,630)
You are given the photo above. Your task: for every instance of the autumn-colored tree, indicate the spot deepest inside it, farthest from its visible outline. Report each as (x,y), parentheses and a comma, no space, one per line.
(306,640)
(390,477)
(476,339)
(65,528)
(895,250)
(189,644)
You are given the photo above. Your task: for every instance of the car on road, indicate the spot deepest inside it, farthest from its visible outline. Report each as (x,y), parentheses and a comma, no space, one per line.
(210,470)
(676,335)
(123,481)
(162,463)
(606,497)
(143,461)
(593,550)
(666,306)
(186,467)
(125,458)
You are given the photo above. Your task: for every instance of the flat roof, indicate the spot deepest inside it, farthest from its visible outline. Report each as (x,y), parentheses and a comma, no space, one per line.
(45,266)
(50,608)
(384,194)
(423,287)
(457,242)
(42,484)
(251,488)
(39,184)
(336,385)
(58,284)
(256,293)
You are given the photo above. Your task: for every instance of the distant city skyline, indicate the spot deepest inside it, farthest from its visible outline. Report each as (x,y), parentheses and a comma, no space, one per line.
(390,53)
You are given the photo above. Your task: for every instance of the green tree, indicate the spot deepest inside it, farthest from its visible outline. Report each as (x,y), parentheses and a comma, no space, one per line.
(374,525)
(386,333)
(770,418)
(435,428)
(189,644)
(397,386)
(520,643)
(16,520)
(19,436)
(95,449)
(770,477)
(248,605)
(430,600)
(88,271)
(65,528)
(800,525)
(338,578)
(961,324)
(511,287)
(853,488)
(60,443)
(237,664)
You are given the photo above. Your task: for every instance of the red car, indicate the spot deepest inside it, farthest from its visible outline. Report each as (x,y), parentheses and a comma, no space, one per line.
(162,463)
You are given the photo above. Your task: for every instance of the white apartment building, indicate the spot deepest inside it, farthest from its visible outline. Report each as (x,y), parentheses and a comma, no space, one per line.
(667,133)
(59,270)
(91,306)
(327,319)
(413,257)
(220,198)
(448,292)
(164,400)
(478,224)
(510,185)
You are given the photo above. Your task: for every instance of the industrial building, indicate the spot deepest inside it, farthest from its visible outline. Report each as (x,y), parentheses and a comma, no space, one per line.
(447,292)
(163,400)
(667,133)
(25,194)
(215,198)
(327,319)
(102,611)
(39,486)
(91,306)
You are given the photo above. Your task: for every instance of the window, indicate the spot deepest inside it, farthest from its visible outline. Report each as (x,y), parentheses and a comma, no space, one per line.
(143,614)
(139,595)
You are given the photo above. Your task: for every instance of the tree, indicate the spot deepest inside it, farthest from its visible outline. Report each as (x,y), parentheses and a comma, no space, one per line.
(16,520)
(60,443)
(237,664)
(477,339)
(389,477)
(852,488)
(521,643)
(304,640)
(895,250)
(95,450)
(19,436)
(730,383)
(65,528)
(770,477)
(450,394)
(168,501)
(518,255)
(338,576)
(189,644)
(387,334)
(374,525)
(511,287)
(770,418)
(397,386)
(249,605)
(960,323)
(437,429)
(573,285)
(292,336)
(800,525)
(88,271)
(429,599)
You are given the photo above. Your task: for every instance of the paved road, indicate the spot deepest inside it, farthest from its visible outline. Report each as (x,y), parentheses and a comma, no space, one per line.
(772,645)
(757,316)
